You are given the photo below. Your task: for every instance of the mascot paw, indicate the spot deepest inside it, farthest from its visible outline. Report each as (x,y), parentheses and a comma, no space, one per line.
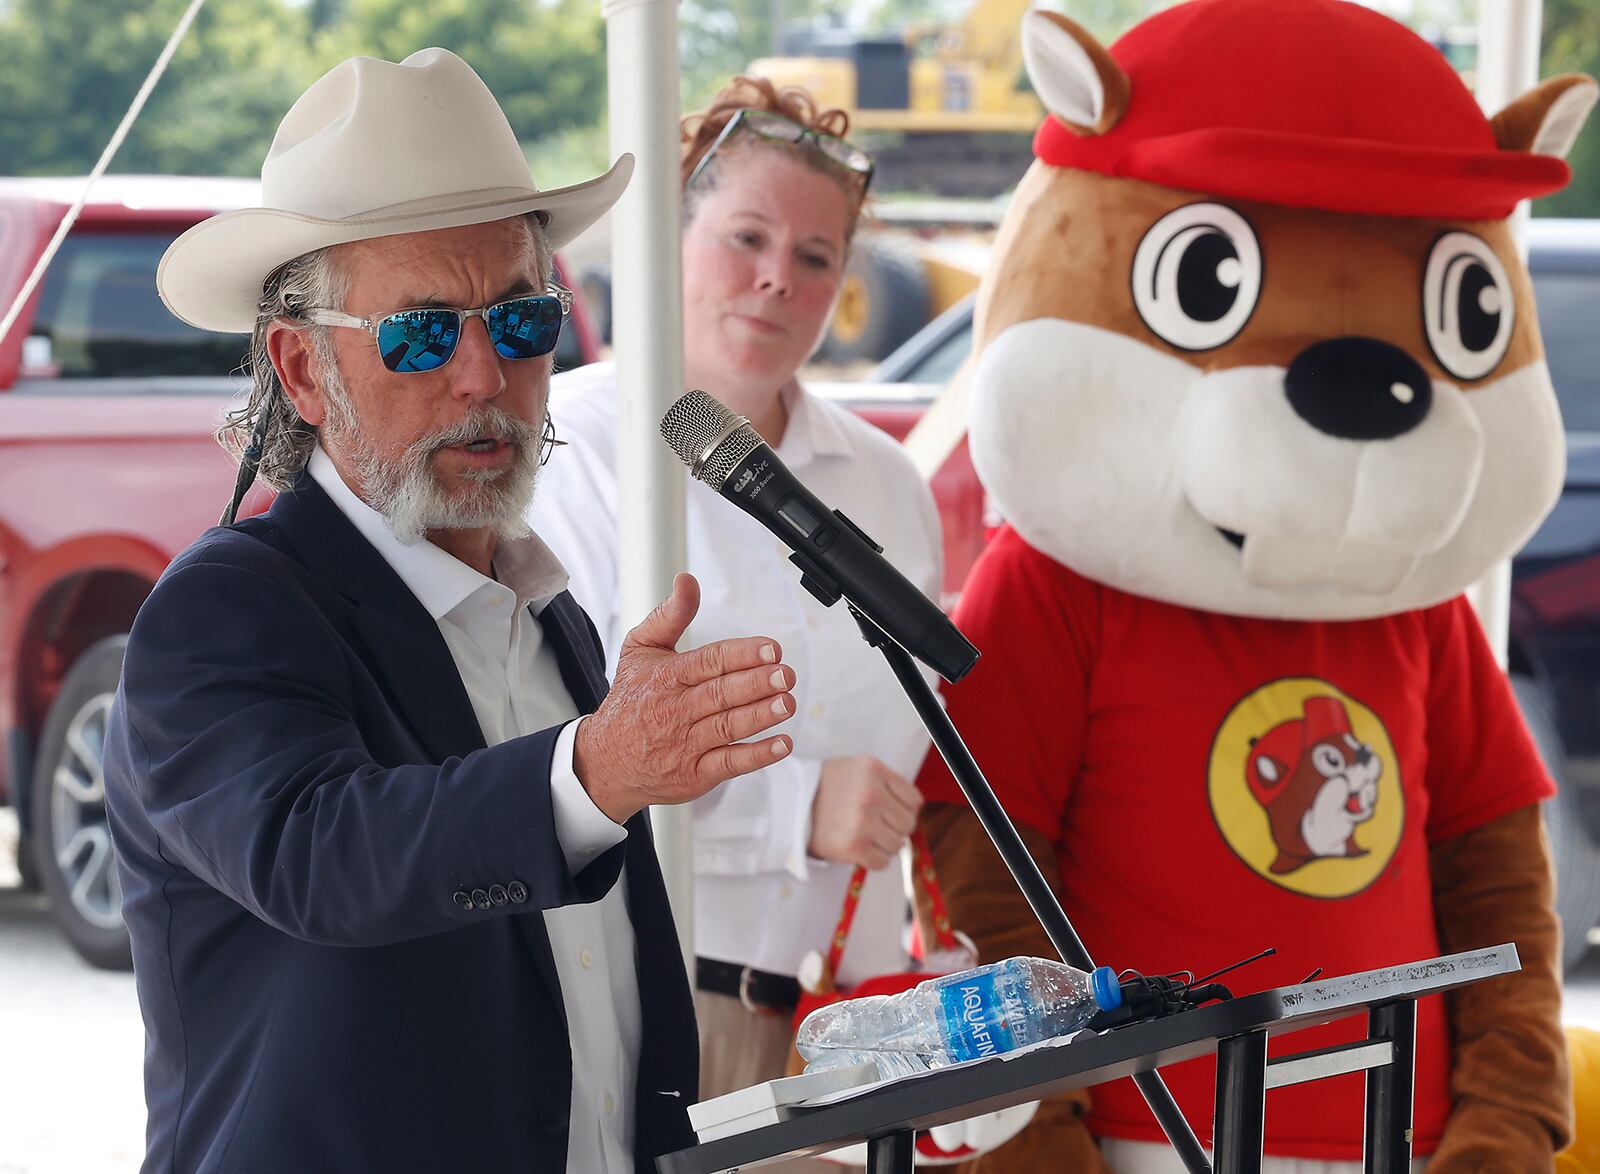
(1484,1139)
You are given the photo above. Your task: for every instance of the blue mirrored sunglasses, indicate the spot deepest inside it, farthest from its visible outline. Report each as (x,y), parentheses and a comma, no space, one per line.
(424,338)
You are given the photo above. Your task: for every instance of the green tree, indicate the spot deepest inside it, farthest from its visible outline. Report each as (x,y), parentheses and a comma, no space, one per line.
(69,69)
(1572,44)
(242,65)
(543,59)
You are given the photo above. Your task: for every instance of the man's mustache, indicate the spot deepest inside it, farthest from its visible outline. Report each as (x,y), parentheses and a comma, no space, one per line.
(483,422)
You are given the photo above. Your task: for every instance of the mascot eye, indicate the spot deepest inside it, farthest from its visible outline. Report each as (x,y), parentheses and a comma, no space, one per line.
(1468,305)
(1197,275)
(1327,760)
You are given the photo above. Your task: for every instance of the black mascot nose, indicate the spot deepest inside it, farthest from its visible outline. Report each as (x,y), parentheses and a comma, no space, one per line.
(1358,389)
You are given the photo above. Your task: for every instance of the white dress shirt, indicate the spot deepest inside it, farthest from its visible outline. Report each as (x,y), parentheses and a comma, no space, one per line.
(514,682)
(760,900)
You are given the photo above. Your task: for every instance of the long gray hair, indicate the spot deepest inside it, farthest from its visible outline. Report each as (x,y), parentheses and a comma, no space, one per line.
(267,420)
(285,440)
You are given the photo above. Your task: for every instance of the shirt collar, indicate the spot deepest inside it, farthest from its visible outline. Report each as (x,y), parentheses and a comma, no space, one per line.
(440,581)
(810,430)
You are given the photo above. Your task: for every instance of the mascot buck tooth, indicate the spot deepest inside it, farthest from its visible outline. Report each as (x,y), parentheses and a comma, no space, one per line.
(1260,391)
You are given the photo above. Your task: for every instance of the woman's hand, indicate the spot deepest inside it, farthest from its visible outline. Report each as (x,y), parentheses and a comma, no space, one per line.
(863,812)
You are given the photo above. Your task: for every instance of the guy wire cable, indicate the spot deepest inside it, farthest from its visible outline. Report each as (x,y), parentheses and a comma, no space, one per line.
(106,156)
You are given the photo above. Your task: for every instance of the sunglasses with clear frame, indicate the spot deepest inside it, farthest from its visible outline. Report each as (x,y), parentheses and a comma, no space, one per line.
(783,129)
(424,338)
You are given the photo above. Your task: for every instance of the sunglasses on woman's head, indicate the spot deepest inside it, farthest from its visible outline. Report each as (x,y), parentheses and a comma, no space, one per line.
(425,338)
(782,129)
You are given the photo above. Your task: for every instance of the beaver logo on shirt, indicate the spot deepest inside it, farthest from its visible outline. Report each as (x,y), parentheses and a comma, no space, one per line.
(1305,788)
(1317,783)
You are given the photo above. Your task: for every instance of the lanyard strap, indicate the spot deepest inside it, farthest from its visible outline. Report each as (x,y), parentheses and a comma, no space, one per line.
(932,916)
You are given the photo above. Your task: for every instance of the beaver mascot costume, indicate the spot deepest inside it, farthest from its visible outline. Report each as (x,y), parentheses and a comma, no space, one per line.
(1260,392)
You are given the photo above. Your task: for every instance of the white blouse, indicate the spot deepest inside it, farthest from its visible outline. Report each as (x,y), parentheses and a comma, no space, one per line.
(760,900)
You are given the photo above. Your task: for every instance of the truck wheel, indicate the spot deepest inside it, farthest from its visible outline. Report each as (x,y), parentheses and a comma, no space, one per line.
(1577,860)
(883,300)
(71,839)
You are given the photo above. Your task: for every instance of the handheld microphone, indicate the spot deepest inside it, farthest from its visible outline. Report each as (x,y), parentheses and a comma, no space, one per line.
(834,556)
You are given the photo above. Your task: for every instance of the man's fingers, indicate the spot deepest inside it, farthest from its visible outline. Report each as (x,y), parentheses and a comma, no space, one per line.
(735,725)
(665,626)
(722,763)
(718,659)
(735,689)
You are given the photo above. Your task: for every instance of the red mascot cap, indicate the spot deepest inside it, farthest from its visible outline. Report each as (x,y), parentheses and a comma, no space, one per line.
(1304,103)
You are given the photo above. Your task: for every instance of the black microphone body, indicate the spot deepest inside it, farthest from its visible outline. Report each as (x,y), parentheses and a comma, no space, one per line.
(834,556)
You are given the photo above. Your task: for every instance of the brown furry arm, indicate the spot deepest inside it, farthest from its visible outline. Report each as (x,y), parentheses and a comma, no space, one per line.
(1509,1079)
(987,904)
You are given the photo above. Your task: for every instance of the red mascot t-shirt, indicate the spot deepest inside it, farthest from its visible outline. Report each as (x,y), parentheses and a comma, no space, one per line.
(1218,784)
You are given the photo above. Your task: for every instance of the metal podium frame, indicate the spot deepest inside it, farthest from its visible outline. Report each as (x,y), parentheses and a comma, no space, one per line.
(886,1115)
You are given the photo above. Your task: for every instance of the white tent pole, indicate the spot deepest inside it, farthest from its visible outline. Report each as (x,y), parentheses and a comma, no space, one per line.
(1508,66)
(647,340)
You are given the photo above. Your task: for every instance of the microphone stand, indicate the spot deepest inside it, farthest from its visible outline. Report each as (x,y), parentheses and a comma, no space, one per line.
(1009,844)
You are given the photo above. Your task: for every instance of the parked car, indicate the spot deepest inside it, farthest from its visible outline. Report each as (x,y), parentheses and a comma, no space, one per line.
(1554,653)
(108,468)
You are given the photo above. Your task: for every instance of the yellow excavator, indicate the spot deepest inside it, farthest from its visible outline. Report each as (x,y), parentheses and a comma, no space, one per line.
(946,111)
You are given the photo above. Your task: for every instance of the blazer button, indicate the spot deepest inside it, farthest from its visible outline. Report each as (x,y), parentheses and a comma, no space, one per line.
(480,898)
(498,894)
(461,898)
(553,1120)
(517,891)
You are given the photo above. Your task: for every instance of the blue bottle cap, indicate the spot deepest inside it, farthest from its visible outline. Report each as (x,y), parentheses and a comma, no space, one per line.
(1107,990)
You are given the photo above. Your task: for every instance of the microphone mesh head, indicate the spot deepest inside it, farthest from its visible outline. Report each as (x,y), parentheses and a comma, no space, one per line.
(707,437)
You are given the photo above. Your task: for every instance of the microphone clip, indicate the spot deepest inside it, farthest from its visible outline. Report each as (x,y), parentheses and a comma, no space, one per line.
(816,580)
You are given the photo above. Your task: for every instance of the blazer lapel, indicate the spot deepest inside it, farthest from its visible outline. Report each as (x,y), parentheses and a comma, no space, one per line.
(412,660)
(577,651)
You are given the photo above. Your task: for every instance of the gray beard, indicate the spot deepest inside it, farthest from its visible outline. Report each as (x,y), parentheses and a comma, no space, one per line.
(405,490)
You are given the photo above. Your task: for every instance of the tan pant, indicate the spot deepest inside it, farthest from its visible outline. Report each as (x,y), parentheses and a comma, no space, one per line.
(739,1048)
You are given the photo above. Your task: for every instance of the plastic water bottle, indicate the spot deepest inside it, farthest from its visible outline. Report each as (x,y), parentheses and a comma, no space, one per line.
(981,1012)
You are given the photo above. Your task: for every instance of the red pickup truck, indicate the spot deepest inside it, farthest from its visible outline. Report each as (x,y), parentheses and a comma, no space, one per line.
(108,468)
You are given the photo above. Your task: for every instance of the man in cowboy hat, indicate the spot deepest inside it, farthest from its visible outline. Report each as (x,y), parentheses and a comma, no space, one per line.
(392,907)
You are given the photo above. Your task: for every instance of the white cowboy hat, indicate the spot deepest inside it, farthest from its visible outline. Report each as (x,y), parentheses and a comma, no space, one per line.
(371,149)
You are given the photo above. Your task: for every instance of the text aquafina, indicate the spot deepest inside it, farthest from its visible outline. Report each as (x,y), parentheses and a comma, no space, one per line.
(980,1012)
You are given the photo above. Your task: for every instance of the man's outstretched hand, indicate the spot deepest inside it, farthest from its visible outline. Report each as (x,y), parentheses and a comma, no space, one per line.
(673,725)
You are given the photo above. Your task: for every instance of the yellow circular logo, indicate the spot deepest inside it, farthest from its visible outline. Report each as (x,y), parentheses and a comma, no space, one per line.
(1305,788)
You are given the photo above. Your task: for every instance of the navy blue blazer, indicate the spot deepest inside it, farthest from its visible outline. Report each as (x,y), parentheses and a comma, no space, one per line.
(334,889)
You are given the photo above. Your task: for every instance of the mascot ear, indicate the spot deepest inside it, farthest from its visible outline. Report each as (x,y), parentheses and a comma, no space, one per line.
(1546,120)
(1072,72)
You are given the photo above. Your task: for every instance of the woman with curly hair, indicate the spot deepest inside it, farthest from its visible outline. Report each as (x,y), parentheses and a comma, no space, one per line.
(772,194)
